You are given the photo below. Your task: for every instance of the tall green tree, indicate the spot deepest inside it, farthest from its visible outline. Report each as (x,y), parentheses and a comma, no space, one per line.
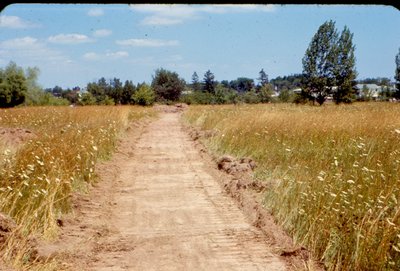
(263,78)
(127,92)
(209,82)
(35,94)
(115,90)
(319,63)
(397,76)
(13,85)
(345,72)
(167,85)
(195,82)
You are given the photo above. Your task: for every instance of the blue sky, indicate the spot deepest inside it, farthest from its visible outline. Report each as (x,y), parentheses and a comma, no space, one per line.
(75,44)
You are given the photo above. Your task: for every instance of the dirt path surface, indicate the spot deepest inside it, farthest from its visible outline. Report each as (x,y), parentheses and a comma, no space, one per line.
(158,208)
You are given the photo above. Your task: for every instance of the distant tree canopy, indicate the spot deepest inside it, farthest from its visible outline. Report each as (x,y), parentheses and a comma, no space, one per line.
(287,82)
(329,61)
(167,85)
(112,92)
(380,81)
(242,84)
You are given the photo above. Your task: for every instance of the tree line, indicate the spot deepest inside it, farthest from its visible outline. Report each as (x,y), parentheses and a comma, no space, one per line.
(328,72)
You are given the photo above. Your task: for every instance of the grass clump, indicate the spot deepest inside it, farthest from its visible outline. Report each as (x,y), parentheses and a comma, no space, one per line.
(334,173)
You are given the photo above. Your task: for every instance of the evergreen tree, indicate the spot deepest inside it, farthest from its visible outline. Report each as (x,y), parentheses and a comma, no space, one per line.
(397,76)
(127,92)
(195,82)
(115,90)
(209,82)
(263,78)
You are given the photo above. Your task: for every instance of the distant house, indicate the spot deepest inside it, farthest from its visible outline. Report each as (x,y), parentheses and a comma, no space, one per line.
(297,90)
(275,94)
(370,91)
(187,91)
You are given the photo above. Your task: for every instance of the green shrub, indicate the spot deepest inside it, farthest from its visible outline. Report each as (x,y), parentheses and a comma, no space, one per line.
(144,95)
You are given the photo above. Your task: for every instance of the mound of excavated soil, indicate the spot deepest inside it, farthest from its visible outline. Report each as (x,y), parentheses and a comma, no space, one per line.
(15,136)
(230,165)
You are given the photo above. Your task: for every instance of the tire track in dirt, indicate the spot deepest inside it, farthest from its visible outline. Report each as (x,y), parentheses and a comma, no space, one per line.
(176,215)
(166,212)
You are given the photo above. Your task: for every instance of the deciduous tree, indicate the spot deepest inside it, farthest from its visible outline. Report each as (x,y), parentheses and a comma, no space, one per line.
(345,73)
(319,63)
(13,85)
(167,85)
(144,95)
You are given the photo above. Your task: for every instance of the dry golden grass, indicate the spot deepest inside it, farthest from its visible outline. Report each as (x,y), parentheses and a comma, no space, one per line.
(37,178)
(334,173)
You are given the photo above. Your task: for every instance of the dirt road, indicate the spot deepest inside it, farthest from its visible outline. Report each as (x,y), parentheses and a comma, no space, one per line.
(163,211)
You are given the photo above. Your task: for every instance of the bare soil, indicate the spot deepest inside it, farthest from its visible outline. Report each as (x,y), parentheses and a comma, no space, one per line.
(161,204)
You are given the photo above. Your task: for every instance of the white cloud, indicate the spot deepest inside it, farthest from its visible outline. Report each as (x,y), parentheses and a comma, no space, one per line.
(105,56)
(169,14)
(102,33)
(157,20)
(69,39)
(118,54)
(147,42)
(30,50)
(15,22)
(232,8)
(95,12)
(91,56)
(24,42)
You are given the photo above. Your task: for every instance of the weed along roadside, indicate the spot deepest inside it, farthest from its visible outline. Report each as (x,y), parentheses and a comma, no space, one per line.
(44,167)
(331,173)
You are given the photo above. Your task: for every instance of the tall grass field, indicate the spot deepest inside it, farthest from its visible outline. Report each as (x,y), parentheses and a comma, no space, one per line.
(39,175)
(333,173)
